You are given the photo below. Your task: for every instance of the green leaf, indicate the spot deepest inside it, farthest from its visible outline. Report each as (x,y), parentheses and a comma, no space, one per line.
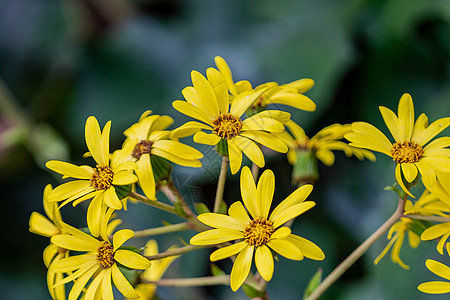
(122,191)
(418,226)
(251,292)
(201,208)
(313,283)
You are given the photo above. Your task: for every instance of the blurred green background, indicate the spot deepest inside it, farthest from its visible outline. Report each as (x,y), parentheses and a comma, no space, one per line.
(62,61)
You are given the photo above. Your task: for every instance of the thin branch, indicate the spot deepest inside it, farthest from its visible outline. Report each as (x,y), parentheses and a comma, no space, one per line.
(221,184)
(198,281)
(428,218)
(154,203)
(177,251)
(162,230)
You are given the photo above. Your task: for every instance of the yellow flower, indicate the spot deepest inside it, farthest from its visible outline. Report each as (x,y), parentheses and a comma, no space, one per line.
(151,142)
(52,253)
(436,287)
(155,272)
(426,205)
(288,94)
(207,101)
(99,262)
(409,150)
(99,183)
(262,233)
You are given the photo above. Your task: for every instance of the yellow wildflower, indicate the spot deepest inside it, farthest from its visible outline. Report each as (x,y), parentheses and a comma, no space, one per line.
(436,287)
(409,150)
(99,262)
(207,101)
(98,183)
(151,142)
(262,233)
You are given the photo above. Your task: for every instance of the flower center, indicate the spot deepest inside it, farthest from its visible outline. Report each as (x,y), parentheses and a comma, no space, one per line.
(258,232)
(143,147)
(227,126)
(102,178)
(105,255)
(407,152)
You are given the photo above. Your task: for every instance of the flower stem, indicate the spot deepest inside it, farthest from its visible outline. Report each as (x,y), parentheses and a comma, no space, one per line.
(157,204)
(198,281)
(221,184)
(255,171)
(356,254)
(162,230)
(428,218)
(177,251)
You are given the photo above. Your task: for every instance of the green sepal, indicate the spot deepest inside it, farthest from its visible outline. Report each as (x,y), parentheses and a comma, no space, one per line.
(122,191)
(222,147)
(223,208)
(216,271)
(201,208)
(305,169)
(161,168)
(418,226)
(165,223)
(179,209)
(251,292)
(313,283)
(400,192)
(255,109)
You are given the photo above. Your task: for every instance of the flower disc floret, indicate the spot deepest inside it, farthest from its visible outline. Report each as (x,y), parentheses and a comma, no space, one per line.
(102,178)
(407,152)
(227,126)
(105,255)
(258,232)
(143,147)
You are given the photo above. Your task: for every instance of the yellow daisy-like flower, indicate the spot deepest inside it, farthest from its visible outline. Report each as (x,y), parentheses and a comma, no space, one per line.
(151,142)
(155,272)
(303,151)
(261,234)
(52,253)
(99,183)
(426,205)
(288,94)
(99,262)
(409,150)
(436,287)
(207,101)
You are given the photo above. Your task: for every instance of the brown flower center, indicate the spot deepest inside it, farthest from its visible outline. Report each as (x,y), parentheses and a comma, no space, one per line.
(258,232)
(407,152)
(102,178)
(105,255)
(143,147)
(227,126)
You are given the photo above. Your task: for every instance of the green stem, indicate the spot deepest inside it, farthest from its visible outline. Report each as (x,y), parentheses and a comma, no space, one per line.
(162,230)
(177,251)
(155,203)
(355,255)
(198,281)
(221,184)
(428,218)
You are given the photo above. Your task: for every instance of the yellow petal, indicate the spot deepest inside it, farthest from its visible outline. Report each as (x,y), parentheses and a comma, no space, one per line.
(243,101)
(94,141)
(227,251)
(80,283)
(205,92)
(221,221)
(41,225)
(250,149)
(297,132)
(267,139)
(179,149)
(302,85)
(94,214)
(248,192)
(308,248)
(72,263)
(264,193)
(398,177)
(435,231)
(192,96)
(74,243)
(124,178)
(131,259)
(435,287)
(427,173)
(434,129)
(237,211)
(393,124)
(49,253)
(122,283)
(365,135)
(420,126)
(106,287)
(188,129)
(296,197)
(219,86)
(264,262)
(226,73)
(177,159)
(81,235)
(298,101)
(438,268)
(235,156)
(68,170)
(286,249)
(409,171)
(206,138)
(146,177)
(105,142)
(281,233)
(82,268)
(216,236)
(121,237)
(280,116)
(326,157)
(406,116)
(292,212)
(241,268)
(192,111)
(437,144)
(111,199)
(260,123)
(70,189)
